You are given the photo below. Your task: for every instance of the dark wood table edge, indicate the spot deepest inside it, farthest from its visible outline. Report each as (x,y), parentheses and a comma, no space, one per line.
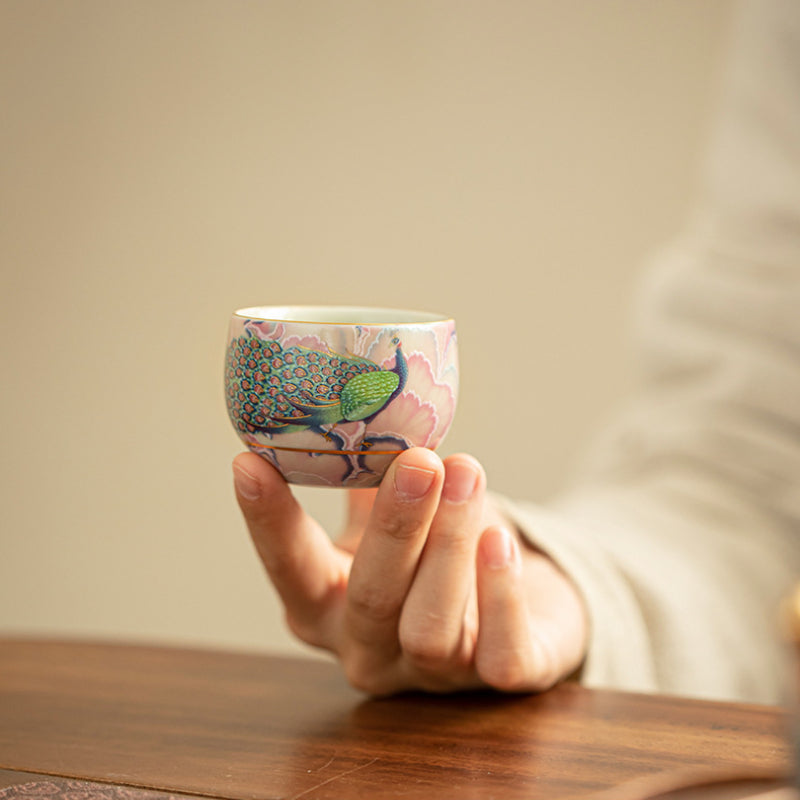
(328,664)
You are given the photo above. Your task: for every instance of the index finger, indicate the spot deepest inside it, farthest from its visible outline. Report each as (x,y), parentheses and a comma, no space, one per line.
(359,508)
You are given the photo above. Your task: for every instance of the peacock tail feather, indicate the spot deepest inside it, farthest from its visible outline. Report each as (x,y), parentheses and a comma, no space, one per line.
(274,388)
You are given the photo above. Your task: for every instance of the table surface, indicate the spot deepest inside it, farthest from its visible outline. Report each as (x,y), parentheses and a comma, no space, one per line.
(252,727)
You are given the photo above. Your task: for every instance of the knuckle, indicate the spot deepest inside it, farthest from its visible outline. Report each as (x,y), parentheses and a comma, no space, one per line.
(547,662)
(400,526)
(358,679)
(456,541)
(304,631)
(371,605)
(534,667)
(504,672)
(425,651)
(428,642)
(362,675)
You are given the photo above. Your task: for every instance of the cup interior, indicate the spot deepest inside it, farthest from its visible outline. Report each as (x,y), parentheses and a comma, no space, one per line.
(340,315)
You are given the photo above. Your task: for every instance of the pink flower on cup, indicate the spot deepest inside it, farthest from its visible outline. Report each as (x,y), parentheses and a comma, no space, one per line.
(421,415)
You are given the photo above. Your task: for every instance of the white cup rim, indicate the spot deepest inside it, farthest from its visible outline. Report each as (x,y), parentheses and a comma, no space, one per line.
(340,315)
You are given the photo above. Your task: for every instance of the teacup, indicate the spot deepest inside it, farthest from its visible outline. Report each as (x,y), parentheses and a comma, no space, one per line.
(330,395)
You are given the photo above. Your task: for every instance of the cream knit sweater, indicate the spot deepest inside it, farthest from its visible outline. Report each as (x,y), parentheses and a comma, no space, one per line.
(683,531)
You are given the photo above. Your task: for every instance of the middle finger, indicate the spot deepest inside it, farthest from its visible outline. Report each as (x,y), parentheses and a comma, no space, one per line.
(384,565)
(432,628)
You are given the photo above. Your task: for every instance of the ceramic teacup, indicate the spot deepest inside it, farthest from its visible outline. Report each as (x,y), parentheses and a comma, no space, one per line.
(331,394)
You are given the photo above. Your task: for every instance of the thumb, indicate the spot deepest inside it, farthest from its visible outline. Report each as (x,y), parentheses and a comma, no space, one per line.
(299,557)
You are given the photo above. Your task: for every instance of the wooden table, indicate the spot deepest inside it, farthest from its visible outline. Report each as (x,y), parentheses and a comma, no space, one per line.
(244,726)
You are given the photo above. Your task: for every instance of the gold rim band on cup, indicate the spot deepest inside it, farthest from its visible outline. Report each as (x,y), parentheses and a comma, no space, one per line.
(327,452)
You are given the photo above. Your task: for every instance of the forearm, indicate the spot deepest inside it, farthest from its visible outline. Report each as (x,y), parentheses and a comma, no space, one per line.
(682,531)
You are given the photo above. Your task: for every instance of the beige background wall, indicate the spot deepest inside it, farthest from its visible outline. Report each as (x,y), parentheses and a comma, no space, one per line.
(162,163)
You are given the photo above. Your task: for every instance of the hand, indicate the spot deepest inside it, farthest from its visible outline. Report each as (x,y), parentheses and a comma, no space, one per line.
(428,588)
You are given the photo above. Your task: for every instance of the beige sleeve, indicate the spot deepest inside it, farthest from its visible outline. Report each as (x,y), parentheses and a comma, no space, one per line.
(683,530)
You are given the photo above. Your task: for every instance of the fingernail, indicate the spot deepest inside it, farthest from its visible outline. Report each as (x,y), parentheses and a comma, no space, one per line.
(460,481)
(246,485)
(500,550)
(412,483)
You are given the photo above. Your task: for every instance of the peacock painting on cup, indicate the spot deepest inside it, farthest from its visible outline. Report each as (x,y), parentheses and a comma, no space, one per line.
(274,389)
(292,398)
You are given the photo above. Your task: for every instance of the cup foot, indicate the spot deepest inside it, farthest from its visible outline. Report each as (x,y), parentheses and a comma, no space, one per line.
(351,470)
